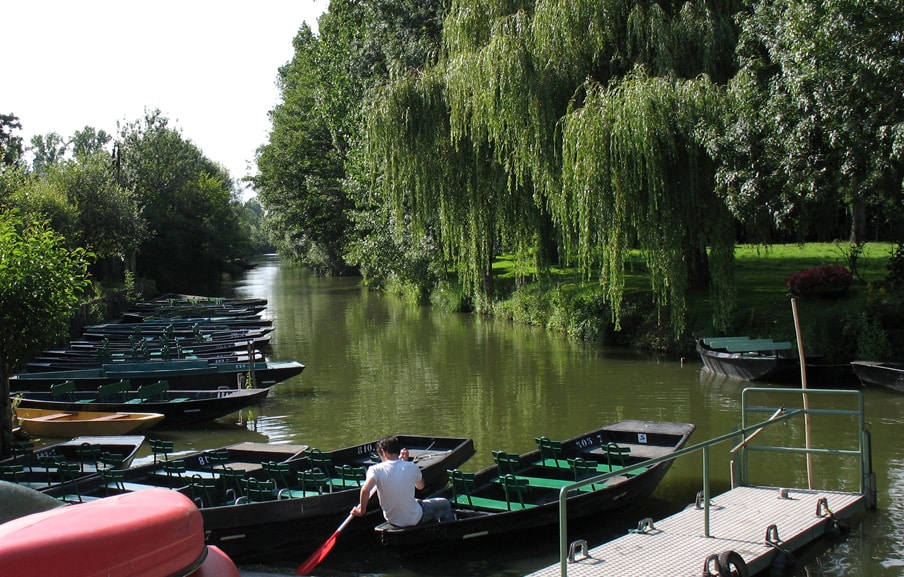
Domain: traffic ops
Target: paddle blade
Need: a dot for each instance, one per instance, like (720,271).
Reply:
(322,551)
(318,556)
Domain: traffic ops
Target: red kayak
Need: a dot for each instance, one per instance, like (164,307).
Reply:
(151,533)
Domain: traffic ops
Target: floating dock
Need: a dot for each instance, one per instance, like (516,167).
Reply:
(749,529)
(756,523)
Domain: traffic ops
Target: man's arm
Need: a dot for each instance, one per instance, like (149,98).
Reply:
(364,496)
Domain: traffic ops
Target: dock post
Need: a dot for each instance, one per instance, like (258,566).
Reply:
(869,476)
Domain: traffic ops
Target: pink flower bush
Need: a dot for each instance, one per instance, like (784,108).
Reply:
(820,280)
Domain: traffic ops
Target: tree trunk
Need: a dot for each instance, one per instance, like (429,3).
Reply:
(6,416)
(858,215)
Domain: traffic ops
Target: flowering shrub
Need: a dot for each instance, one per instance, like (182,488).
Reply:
(830,279)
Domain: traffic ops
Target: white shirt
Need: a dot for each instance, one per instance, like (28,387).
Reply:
(395,480)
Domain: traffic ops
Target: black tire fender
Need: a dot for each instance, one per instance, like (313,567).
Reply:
(731,564)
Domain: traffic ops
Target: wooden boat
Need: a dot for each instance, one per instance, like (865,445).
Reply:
(751,359)
(65,424)
(521,492)
(155,533)
(180,374)
(264,501)
(68,461)
(67,361)
(180,408)
(888,375)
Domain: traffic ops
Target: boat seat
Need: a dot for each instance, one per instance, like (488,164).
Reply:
(232,483)
(550,453)
(12,474)
(507,463)
(349,476)
(114,392)
(462,485)
(65,391)
(203,491)
(69,473)
(113,417)
(52,417)
(161,448)
(321,460)
(311,482)
(88,453)
(279,473)
(157,392)
(218,457)
(257,490)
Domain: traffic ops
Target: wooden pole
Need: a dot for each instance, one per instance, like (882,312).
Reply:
(803,385)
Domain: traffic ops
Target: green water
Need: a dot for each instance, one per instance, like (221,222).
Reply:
(376,365)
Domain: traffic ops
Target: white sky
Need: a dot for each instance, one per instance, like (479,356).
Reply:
(210,66)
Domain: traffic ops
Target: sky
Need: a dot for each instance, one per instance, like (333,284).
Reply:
(209,66)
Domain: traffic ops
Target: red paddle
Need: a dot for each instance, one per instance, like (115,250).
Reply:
(322,551)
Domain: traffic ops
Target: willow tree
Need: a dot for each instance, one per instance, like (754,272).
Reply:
(514,96)
(634,175)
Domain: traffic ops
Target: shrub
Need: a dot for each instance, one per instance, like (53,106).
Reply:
(826,280)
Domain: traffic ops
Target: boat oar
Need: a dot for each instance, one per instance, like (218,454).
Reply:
(322,551)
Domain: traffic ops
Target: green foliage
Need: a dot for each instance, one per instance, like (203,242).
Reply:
(41,282)
(11,147)
(187,201)
(814,120)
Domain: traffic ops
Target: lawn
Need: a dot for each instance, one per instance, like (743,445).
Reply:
(764,304)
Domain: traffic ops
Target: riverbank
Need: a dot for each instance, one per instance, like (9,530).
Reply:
(858,322)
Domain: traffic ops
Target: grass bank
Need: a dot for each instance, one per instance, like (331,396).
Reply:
(854,325)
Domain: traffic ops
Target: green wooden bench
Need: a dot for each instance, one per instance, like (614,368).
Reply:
(114,392)
(65,391)
(463,483)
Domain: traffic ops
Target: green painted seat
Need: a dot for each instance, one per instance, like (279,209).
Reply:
(314,481)
(65,391)
(257,490)
(12,473)
(161,449)
(348,476)
(114,392)
(279,473)
(550,453)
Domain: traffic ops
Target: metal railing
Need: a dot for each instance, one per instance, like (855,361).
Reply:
(747,432)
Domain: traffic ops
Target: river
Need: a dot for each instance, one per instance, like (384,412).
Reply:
(376,365)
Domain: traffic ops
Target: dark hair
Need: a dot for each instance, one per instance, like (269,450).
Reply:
(390,445)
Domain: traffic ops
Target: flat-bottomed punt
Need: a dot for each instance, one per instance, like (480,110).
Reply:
(751,359)
(521,492)
(180,374)
(873,373)
(66,424)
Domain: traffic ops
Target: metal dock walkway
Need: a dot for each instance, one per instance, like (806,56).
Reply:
(742,520)
(746,529)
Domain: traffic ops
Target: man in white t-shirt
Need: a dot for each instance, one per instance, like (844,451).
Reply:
(395,479)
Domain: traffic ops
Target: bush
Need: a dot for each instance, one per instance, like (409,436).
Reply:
(826,280)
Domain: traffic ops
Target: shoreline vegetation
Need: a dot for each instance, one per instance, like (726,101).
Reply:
(843,325)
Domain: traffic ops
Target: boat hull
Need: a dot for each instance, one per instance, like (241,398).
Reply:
(888,375)
(183,407)
(475,525)
(773,366)
(183,374)
(67,424)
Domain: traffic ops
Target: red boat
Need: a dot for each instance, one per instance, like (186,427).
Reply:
(152,533)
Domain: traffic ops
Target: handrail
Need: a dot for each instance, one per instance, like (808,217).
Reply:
(747,432)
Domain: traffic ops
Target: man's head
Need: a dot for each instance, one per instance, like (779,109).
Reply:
(389,445)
